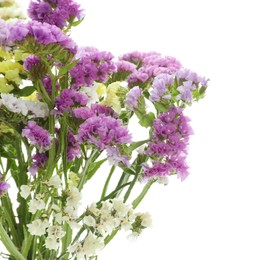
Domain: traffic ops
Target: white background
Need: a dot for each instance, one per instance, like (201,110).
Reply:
(217,213)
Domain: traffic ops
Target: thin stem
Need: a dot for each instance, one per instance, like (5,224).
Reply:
(107,181)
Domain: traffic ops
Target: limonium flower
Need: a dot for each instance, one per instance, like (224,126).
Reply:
(132,98)
(43,33)
(4,186)
(93,66)
(169,146)
(37,136)
(102,131)
(39,161)
(57,12)
(159,87)
(69,98)
(31,61)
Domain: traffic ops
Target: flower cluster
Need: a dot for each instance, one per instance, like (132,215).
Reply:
(168,147)
(37,136)
(102,220)
(25,107)
(57,12)
(149,65)
(92,66)
(65,112)
(10,10)
(42,33)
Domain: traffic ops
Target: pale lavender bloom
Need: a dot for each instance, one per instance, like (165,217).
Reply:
(37,136)
(188,75)
(132,97)
(159,87)
(4,32)
(125,66)
(115,157)
(186,91)
(4,186)
(18,31)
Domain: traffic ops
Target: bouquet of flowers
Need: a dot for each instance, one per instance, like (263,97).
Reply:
(65,113)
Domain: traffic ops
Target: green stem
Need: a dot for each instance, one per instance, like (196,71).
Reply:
(52,150)
(131,186)
(107,181)
(113,193)
(9,245)
(143,193)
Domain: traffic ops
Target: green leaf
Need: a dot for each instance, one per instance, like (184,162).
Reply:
(65,69)
(147,120)
(160,107)
(135,145)
(24,92)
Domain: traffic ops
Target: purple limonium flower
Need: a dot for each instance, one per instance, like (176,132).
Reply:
(73,148)
(54,12)
(159,87)
(125,66)
(186,91)
(43,33)
(170,137)
(39,161)
(69,98)
(18,31)
(132,98)
(103,131)
(4,186)
(4,32)
(95,110)
(158,169)
(37,136)
(188,75)
(93,66)
(30,62)
(115,157)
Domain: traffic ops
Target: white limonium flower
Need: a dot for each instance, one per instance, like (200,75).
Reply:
(74,197)
(35,205)
(38,227)
(24,191)
(20,105)
(90,93)
(52,243)
(146,219)
(121,208)
(55,181)
(89,221)
(133,236)
(92,245)
(163,180)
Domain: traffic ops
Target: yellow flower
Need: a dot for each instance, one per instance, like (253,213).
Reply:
(19,55)
(4,129)
(9,65)
(73,179)
(101,89)
(6,55)
(13,75)
(32,97)
(5,87)
(112,100)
